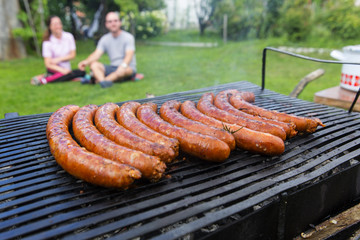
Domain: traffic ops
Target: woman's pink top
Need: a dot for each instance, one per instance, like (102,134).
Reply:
(59,47)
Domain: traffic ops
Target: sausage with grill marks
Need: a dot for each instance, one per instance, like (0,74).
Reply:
(222,101)
(206,106)
(107,125)
(246,139)
(302,124)
(126,116)
(81,163)
(169,111)
(248,96)
(199,145)
(87,134)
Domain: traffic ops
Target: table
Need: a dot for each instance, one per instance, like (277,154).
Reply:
(337,97)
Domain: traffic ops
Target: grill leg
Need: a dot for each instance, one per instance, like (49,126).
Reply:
(282,216)
(354,102)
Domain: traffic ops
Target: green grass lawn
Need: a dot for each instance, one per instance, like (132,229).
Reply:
(166,70)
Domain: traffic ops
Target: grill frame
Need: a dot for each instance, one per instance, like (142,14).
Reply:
(200,200)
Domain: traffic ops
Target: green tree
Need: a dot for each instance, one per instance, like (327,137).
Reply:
(271,17)
(296,19)
(38,11)
(342,18)
(245,18)
(137,6)
(132,8)
(150,5)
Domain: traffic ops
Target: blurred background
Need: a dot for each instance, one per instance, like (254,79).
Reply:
(23,21)
(180,45)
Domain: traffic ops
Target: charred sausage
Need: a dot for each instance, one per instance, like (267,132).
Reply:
(169,111)
(222,101)
(81,163)
(206,106)
(247,139)
(89,137)
(248,96)
(107,125)
(199,145)
(126,116)
(302,124)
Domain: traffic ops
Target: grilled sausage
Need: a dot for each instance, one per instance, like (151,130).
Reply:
(206,106)
(199,145)
(248,96)
(126,116)
(169,111)
(247,139)
(81,163)
(107,125)
(222,101)
(302,124)
(89,137)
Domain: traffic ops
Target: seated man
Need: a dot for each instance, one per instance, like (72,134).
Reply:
(120,47)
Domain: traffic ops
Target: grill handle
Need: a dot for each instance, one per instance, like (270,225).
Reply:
(306,58)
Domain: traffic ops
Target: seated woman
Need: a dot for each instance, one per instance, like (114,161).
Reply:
(58,48)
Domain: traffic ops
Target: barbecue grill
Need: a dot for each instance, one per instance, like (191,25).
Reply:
(248,196)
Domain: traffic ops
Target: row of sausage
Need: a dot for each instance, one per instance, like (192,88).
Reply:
(114,145)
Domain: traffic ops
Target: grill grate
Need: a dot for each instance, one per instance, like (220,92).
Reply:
(40,200)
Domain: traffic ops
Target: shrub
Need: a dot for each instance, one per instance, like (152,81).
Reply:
(343,19)
(24,32)
(249,19)
(296,19)
(147,24)
(244,18)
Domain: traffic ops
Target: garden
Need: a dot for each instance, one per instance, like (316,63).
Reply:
(169,69)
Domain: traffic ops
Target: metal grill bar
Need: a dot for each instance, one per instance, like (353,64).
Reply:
(40,200)
(209,217)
